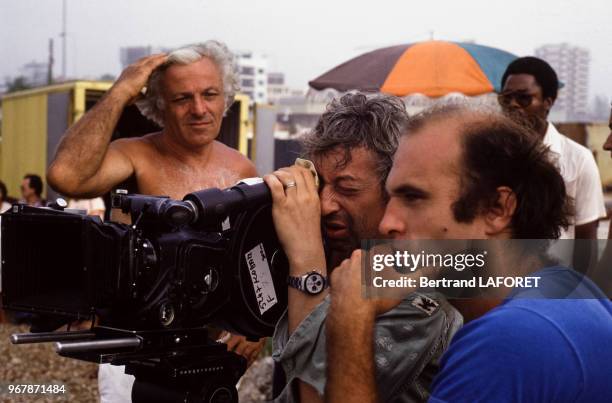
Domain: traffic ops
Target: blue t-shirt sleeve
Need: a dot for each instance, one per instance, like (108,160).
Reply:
(512,354)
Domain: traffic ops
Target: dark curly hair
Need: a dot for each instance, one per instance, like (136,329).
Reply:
(373,121)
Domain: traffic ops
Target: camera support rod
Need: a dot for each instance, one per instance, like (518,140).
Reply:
(72,347)
(27,338)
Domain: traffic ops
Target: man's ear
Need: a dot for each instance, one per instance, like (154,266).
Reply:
(499,217)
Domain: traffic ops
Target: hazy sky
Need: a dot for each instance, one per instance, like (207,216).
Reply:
(303,39)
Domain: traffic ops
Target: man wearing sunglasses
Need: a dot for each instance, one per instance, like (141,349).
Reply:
(530,87)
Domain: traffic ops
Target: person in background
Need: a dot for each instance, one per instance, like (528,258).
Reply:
(31,191)
(608,144)
(529,90)
(608,147)
(4,204)
(604,273)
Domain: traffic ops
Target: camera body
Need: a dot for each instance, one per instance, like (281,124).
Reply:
(212,258)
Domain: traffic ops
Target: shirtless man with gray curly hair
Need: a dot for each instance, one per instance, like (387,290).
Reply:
(188,92)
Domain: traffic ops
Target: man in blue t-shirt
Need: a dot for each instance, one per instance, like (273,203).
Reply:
(532,348)
(461,173)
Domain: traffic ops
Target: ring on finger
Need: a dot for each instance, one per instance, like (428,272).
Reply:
(290,184)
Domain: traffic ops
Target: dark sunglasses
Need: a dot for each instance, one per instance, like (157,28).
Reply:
(521,98)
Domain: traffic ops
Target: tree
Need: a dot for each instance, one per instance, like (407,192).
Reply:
(17,84)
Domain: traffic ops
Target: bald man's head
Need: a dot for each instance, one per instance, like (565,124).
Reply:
(474,152)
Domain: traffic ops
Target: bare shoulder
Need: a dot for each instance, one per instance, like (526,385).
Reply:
(136,145)
(234,160)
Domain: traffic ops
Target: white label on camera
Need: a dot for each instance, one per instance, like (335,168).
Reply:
(259,269)
(251,181)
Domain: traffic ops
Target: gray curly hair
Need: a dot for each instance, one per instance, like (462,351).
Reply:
(152,105)
(373,121)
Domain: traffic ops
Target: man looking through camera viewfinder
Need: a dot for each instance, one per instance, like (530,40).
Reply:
(352,147)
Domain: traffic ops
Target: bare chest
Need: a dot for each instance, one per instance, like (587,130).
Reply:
(175,179)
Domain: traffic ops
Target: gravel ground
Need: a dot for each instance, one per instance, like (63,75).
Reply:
(37,364)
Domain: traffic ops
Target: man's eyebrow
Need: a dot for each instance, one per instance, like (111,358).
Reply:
(182,94)
(512,91)
(344,178)
(190,93)
(407,189)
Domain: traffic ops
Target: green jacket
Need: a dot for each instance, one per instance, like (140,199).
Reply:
(408,343)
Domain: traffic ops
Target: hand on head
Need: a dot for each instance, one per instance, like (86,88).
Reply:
(135,76)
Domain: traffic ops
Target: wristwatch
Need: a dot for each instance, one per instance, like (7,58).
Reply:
(312,283)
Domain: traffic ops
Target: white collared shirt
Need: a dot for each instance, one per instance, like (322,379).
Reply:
(581,177)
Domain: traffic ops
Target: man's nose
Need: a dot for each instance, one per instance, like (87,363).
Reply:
(392,224)
(198,107)
(329,205)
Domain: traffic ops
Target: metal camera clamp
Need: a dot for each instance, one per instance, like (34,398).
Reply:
(169,365)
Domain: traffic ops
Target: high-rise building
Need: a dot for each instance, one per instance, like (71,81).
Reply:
(278,90)
(572,66)
(276,86)
(130,54)
(253,71)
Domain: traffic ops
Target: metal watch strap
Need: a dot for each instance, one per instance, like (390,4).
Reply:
(301,284)
(295,282)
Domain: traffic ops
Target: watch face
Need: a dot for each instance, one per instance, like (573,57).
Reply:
(314,283)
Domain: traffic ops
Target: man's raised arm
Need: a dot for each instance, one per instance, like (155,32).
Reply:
(84,164)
